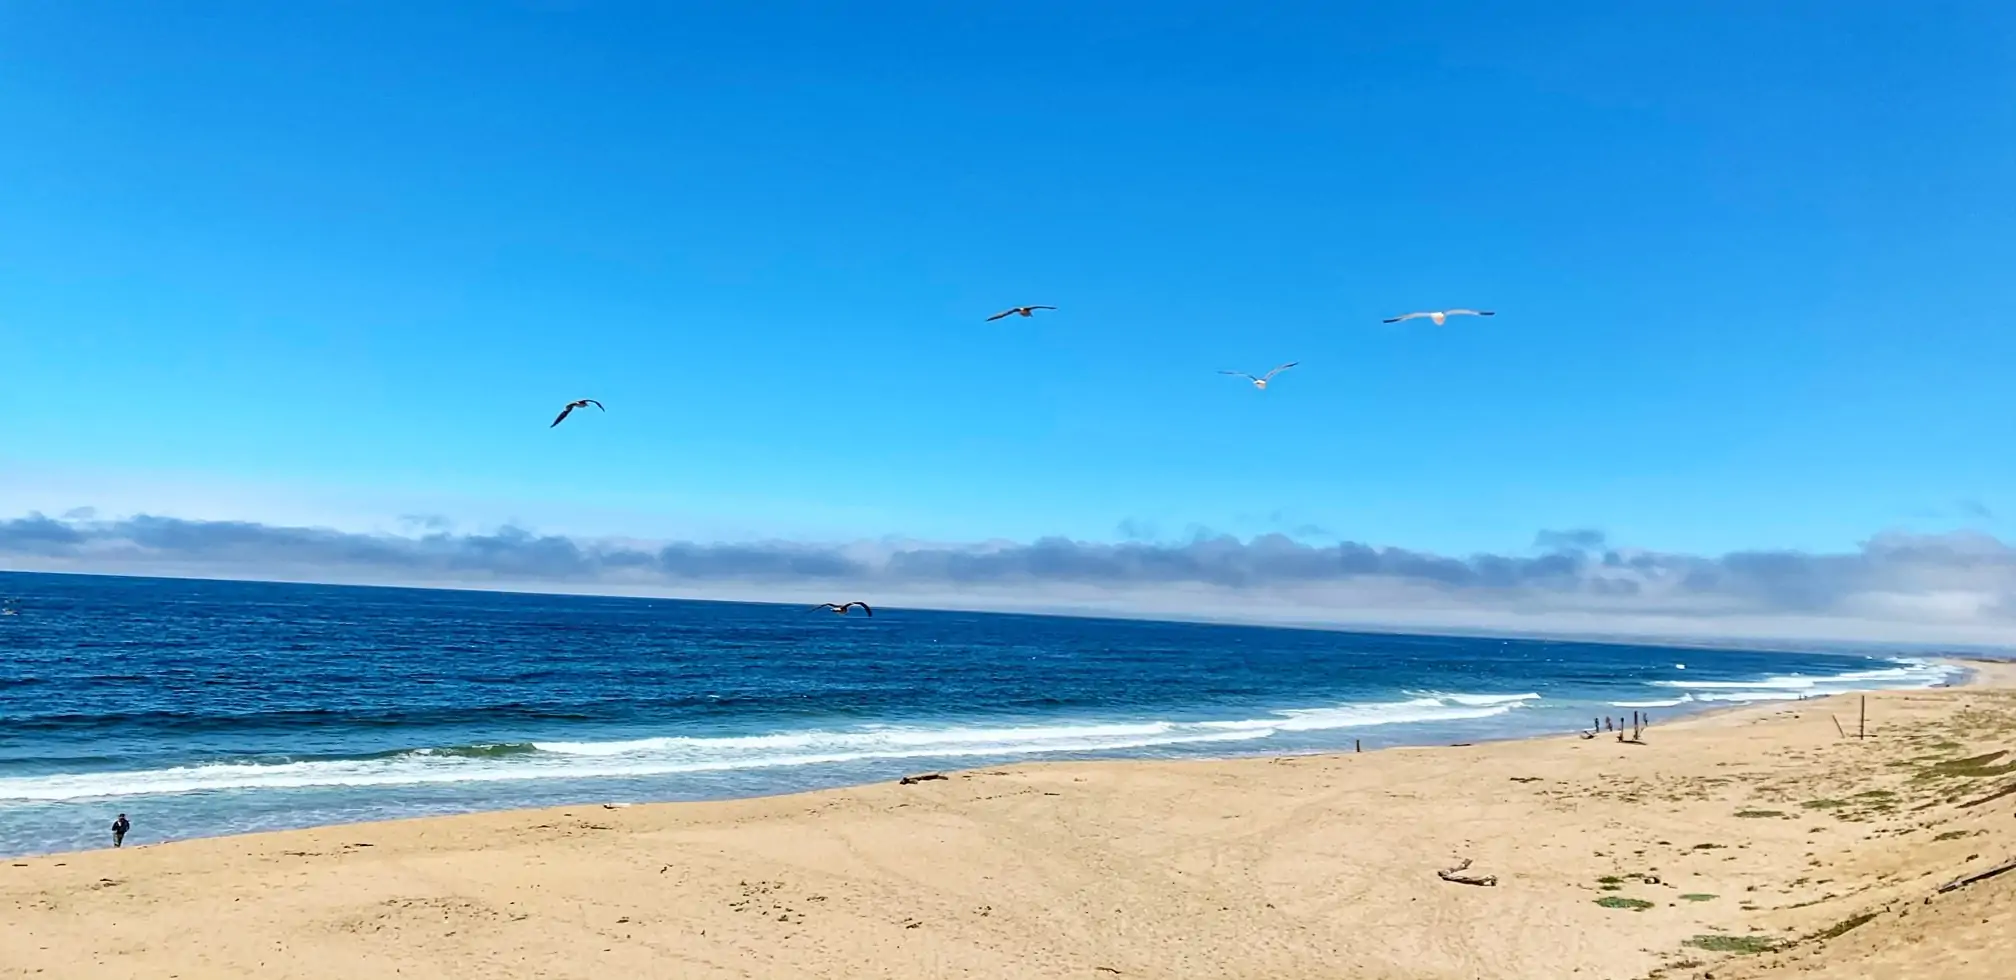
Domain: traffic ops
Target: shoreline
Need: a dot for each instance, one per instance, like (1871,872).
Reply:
(1758,825)
(1674,716)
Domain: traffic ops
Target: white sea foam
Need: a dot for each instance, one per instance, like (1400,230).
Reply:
(1675,702)
(1483,700)
(675,754)
(877,738)
(1903,674)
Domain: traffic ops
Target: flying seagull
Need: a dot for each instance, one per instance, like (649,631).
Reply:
(1022,310)
(842,607)
(1261,382)
(1439,315)
(571,406)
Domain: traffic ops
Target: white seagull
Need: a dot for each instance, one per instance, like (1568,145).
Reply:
(1261,381)
(1439,315)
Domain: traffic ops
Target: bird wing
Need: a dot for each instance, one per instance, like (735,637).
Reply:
(591,401)
(1001,314)
(1240,374)
(1042,307)
(1405,316)
(864,607)
(1465,313)
(1282,368)
(563,416)
(825,605)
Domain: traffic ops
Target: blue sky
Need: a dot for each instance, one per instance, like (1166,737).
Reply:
(334,263)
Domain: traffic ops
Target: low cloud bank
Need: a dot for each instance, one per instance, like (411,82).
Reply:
(1955,588)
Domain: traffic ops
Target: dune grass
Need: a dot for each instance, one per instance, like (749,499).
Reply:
(1620,902)
(1732,944)
(1843,926)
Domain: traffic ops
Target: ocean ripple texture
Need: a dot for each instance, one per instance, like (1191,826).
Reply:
(203,708)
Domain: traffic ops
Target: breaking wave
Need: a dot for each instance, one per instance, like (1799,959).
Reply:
(674,754)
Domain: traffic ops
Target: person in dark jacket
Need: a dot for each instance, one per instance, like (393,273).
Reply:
(119,829)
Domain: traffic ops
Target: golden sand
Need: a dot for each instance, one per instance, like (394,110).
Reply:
(1753,843)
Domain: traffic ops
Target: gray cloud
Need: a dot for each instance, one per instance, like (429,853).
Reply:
(1976,509)
(1959,585)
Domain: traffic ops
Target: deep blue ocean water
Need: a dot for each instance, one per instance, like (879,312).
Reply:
(205,708)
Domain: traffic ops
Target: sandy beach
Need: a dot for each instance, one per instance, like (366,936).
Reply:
(1755,842)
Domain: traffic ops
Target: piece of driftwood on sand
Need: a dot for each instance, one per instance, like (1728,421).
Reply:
(1965,880)
(1456,874)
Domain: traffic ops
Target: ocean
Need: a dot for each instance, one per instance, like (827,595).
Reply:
(202,708)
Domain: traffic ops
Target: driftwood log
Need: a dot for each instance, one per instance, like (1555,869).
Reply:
(1966,880)
(920,778)
(1456,874)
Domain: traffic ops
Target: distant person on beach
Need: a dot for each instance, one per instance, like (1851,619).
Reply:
(119,829)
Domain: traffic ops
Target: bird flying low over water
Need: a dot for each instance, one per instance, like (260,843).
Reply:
(1439,315)
(1019,310)
(842,607)
(1261,381)
(571,406)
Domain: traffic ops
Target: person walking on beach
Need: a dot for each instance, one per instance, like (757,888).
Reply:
(119,829)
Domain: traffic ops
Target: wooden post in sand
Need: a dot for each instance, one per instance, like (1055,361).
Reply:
(1357,745)
(1862,719)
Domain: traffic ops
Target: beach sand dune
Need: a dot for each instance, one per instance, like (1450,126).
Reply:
(1753,843)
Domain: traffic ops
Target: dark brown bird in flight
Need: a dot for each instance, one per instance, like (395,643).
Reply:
(571,406)
(1021,310)
(842,607)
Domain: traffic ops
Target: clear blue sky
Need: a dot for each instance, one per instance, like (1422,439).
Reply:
(1754,268)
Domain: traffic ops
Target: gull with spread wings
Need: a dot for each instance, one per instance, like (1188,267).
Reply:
(1019,310)
(1438,315)
(1261,381)
(842,607)
(571,406)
